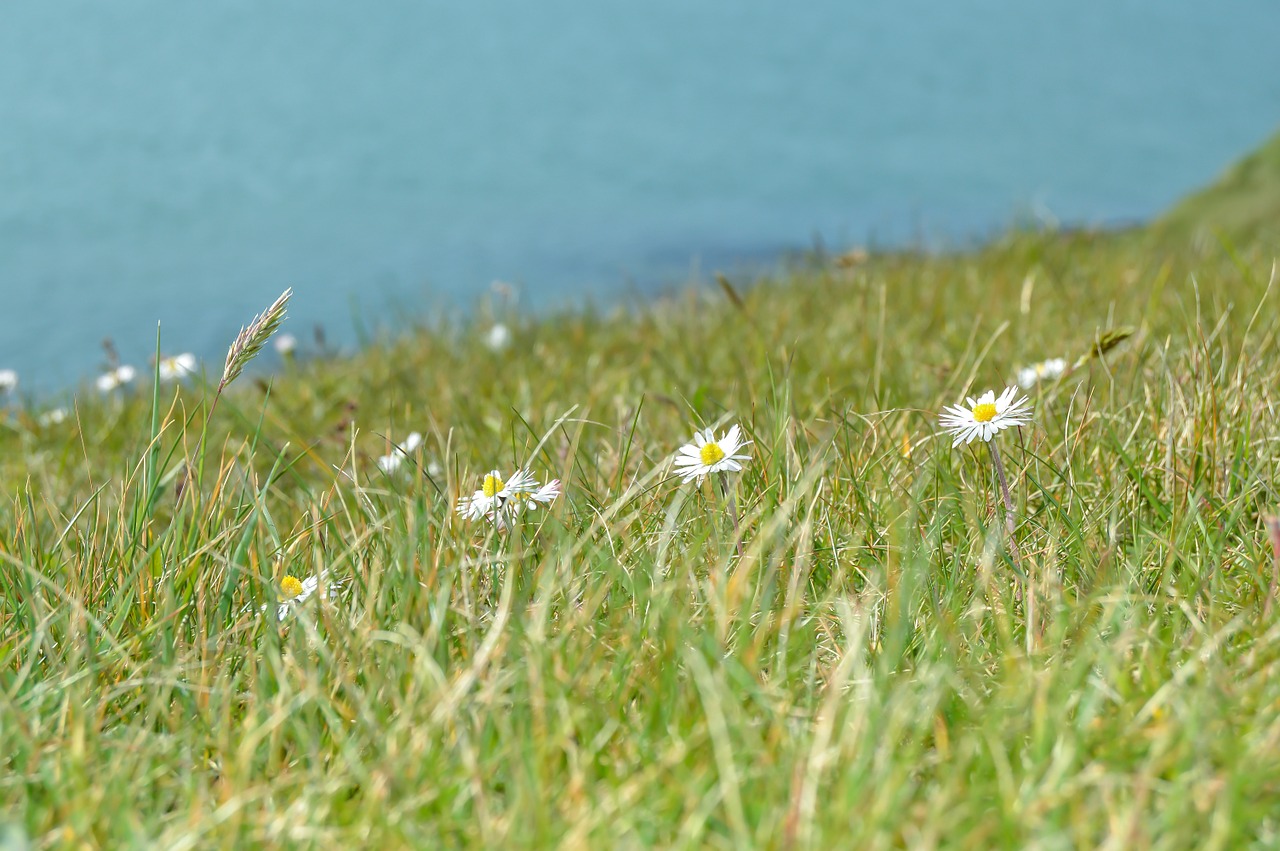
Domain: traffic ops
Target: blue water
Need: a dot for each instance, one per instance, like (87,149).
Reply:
(184,160)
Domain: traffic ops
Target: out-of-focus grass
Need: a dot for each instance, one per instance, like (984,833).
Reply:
(1243,203)
(613,674)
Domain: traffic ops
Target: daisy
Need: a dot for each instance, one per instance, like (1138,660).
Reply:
(495,495)
(8,381)
(498,338)
(707,455)
(986,416)
(294,592)
(1046,370)
(116,378)
(285,344)
(544,495)
(391,462)
(176,367)
(53,416)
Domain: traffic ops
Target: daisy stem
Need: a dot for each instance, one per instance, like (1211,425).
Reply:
(1010,522)
(733,512)
(1025,591)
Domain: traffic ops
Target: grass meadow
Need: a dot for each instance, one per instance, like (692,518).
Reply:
(838,650)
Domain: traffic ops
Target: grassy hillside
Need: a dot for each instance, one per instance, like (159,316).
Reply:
(841,649)
(1244,203)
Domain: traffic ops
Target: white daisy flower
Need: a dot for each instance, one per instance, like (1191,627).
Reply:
(1046,370)
(286,344)
(294,592)
(498,337)
(176,367)
(53,416)
(986,416)
(434,469)
(544,495)
(391,462)
(707,454)
(116,378)
(495,495)
(8,381)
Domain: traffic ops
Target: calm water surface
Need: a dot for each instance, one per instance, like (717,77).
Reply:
(183,161)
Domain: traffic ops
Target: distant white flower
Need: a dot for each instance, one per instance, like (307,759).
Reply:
(494,499)
(286,343)
(986,416)
(707,454)
(176,367)
(498,337)
(390,463)
(116,378)
(53,416)
(294,592)
(8,381)
(435,469)
(1046,370)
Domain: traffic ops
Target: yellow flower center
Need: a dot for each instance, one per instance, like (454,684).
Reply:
(290,587)
(984,413)
(493,486)
(711,454)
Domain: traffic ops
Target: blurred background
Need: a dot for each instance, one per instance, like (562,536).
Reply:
(183,161)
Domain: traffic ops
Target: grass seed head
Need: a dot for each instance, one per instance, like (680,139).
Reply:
(253,337)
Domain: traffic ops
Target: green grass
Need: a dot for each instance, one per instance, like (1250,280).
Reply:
(613,674)
(1243,203)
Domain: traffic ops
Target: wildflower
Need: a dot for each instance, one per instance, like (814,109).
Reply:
(53,416)
(294,592)
(8,381)
(494,499)
(291,587)
(435,469)
(286,344)
(986,416)
(176,367)
(116,378)
(544,495)
(1046,370)
(391,462)
(707,454)
(498,337)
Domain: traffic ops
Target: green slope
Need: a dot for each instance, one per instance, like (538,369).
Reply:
(1243,203)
